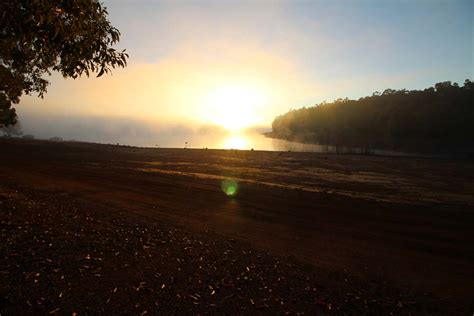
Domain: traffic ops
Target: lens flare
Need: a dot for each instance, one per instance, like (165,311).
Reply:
(229,187)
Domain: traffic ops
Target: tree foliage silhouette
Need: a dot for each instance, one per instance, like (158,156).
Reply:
(436,117)
(37,37)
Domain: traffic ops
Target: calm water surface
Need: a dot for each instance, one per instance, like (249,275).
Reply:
(258,141)
(248,141)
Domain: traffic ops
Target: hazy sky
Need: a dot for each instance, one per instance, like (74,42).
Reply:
(216,62)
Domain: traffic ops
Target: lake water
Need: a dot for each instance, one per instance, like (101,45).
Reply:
(258,141)
(248,141)
(127,131)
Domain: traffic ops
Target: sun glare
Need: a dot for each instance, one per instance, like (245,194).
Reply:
(234,107)
(234,142)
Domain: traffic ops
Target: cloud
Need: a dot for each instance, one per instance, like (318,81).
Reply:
(295,54)
(178,88)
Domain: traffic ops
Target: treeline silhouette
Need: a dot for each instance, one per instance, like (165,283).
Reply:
(439,118)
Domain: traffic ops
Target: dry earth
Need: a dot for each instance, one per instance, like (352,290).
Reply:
(99,228)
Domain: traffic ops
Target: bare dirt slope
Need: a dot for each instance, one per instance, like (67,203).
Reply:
(374,234)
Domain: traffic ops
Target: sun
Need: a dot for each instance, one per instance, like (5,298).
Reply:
(234,107)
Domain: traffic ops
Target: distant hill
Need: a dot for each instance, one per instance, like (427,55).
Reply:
(436,119)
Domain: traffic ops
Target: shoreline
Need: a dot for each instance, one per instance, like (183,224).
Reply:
(379,151)
(365,219)
(343,151)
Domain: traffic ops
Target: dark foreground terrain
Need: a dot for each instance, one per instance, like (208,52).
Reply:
(91,229)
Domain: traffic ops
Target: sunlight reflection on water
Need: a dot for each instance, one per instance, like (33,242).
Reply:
(247,140)
(240,141)
(235,142)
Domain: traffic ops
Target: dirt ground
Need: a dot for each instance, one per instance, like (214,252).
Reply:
(89,228)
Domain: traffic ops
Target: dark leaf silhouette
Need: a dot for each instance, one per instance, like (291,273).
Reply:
(38,37)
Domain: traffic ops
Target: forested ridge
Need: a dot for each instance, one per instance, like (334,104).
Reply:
(439,118)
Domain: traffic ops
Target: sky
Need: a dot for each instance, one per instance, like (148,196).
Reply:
(238,64)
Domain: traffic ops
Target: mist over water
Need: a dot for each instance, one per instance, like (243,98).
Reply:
(165,134)
(136,132)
